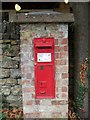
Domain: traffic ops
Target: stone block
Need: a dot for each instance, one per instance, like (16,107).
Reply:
(16,90)
(14,99)
(14,42)
(15,50)
(1,41)
(5,73)
(17,104)
(0,35)
(8,63)
(1,58)
(11,81)
(16,58)
(6,48)
(11,50)
(2,81)
(5,36)
(5,90)
(15,73)
(0,49)
(19,81)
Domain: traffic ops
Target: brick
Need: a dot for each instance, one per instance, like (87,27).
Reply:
(65,82)
(57,82)
(61,62)
(56,89)
(57,77)
(65,48)
(33,95)
(46,114)
(64,41)
(37,102)
(64,75)
(22,68)
(56,115)
(25,82)
(64,89)
(57,48)
(56,55)
(57,95)
(56,42)
(63,102)
(63,54)
(60,102)
(27,115)
(29,102)
(26,70)
(51,35)
(28,89)
(34,115)
(64,95)
(29,76)
(26,96)
(32,33)
(55,102)
(61,69)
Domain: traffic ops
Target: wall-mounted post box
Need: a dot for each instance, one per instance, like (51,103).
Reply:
(44,67)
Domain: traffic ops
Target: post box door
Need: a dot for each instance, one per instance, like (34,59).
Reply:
(44,68)
(44,81)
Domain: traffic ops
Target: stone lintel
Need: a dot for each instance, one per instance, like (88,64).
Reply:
(44,16)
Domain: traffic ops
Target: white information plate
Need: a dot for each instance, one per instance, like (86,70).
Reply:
(43,57)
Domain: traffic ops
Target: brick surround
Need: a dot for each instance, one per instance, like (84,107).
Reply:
(44,108)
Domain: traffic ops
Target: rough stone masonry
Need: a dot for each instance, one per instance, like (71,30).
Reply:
(10,75)
(44,108)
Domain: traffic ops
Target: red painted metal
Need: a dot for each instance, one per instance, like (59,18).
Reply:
(44,67)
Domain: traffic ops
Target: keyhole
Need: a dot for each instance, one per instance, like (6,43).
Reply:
(41,83)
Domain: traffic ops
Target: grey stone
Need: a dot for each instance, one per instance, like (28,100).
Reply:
(20,81)
(5,73)
(14,42)
(8,63)
(16,104)
(6,49)
(16,90)
(11,81)
(5,90)
(0,49)
(15,73)
(16,58)
(5,36)
(2,81)
(48,16)
(14,99)
(15,50)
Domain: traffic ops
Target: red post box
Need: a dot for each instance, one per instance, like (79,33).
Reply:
(44,67)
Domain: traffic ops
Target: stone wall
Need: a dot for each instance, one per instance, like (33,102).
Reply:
(10,78)
(45,108)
